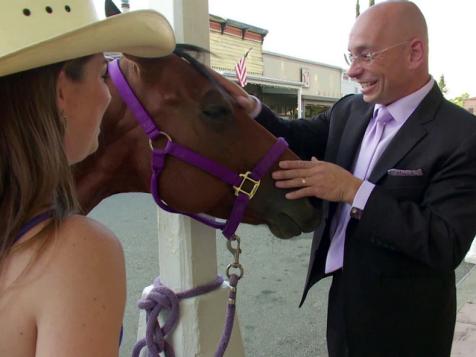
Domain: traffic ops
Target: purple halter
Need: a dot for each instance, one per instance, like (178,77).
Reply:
(245,185)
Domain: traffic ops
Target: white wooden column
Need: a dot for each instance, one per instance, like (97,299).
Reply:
(471,256)
(299,103)
(187,249)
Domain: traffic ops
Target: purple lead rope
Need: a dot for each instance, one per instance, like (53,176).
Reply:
(161,298)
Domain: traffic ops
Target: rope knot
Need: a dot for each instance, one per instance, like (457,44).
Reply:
(160,299)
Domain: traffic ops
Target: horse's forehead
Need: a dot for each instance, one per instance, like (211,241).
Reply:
(171,64)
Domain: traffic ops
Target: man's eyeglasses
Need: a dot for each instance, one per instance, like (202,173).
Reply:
(369,56)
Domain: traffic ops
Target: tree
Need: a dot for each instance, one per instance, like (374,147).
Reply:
(357,9)
(460,99)
(442,84)
(371,3)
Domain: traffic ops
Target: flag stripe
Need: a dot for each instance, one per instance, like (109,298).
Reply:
(241,72)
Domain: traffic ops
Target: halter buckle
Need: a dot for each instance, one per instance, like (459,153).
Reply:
(248,181)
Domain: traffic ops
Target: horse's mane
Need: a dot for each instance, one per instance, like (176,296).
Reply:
(183,51)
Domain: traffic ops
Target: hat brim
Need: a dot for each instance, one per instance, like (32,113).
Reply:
(143,33)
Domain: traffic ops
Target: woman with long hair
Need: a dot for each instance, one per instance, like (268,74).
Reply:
(62,277)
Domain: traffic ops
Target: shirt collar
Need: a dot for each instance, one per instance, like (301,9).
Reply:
(404,107)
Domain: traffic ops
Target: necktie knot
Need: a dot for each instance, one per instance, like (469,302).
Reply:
(383,116)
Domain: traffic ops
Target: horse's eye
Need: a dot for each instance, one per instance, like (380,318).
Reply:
(217,112)
(215,107)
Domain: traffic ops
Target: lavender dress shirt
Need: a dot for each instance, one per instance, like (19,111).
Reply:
(400,111)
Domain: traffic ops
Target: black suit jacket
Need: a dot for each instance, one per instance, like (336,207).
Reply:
(399,258)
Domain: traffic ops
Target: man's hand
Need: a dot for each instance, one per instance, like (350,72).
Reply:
(243,99)
(317,179)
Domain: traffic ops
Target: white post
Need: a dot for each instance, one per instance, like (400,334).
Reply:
(471,256)
(125,6)
(299,102)
(187,249)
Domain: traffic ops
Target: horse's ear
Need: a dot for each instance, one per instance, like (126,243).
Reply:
(111,8)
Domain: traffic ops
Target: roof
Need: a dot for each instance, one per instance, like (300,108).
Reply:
(237,24)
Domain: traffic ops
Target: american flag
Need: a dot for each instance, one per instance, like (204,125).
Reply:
(240,70)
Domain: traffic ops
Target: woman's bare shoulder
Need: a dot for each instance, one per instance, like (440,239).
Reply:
(84,246)
(84,289)
(78,233)
(82,226)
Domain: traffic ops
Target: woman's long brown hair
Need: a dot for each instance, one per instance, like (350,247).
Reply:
(34,171)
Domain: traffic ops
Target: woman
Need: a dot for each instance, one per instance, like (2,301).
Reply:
(62,278)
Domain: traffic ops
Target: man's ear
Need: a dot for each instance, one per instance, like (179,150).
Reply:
(417,53)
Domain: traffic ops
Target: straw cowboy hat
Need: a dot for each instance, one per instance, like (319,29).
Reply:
(34,33)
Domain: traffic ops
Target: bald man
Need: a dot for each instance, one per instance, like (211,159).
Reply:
(395,167)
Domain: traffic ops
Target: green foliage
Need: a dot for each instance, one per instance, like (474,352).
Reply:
(460,99)
(371,3)
(442,84)
(357,9)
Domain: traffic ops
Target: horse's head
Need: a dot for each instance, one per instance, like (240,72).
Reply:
(193,109)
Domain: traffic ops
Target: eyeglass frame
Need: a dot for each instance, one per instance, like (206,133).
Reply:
(370,56)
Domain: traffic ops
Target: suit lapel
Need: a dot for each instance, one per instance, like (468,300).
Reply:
(408,136)
(353,133)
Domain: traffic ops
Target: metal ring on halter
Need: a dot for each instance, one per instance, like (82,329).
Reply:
(161,133)
(234,266)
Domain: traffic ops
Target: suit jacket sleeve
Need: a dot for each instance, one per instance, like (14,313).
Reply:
(306,137)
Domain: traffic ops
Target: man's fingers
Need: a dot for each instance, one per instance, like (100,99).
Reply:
(246,103)
(291,174)
(296,164)
(239,94)
(293,183)
(295,169)
(303,192)
(230,86)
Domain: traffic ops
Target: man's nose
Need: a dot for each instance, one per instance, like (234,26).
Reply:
(355,69)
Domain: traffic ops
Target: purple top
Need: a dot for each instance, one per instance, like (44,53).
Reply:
(33,222)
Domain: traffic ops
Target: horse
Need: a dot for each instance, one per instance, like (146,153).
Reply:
(187,102)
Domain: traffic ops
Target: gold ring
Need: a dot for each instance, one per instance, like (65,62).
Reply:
(303,180)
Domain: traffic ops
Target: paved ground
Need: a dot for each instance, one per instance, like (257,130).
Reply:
(268,296)
(464,342)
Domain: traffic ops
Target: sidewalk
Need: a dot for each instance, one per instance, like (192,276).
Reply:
(464,342)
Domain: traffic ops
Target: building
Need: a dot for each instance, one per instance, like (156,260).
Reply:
(348,85)
(292,87)
(470,105)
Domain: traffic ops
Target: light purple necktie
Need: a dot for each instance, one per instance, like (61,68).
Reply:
(368,155)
